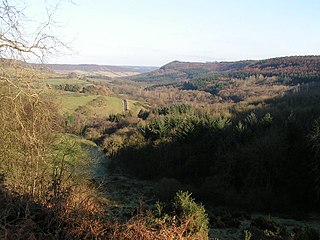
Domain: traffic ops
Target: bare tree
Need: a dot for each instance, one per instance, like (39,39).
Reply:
(22,38)
(26,129)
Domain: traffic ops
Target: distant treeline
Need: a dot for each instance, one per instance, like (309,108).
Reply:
(89,89)
(233,81)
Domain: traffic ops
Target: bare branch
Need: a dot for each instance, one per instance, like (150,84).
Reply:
(17,41)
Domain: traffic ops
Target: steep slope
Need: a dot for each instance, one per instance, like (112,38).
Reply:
(177,71)
(233,81)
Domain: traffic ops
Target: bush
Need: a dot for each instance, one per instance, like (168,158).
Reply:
(143,114)
(185,220)
(195,214)
(91,133)
(112,144)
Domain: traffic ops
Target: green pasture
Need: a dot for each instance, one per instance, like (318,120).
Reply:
(71,101)
(58,81)
(89,105)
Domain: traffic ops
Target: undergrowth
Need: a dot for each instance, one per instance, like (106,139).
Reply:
(81,215)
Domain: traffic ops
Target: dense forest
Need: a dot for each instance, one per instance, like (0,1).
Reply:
(264,150)
(259,153)
(229,82)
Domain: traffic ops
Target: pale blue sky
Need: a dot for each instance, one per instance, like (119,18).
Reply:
(154,32)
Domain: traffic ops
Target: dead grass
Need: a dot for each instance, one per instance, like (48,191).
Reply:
(81,215)
(78,216)
(144,227)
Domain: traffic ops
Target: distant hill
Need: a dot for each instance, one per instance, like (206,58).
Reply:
(94,69)
(235,81)
(280,64)
(210,66)
(293,64)
(177,71)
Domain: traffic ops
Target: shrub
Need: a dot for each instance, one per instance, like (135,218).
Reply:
(189,211)
(143,114)
(113,144)
(186,220)
(91,133)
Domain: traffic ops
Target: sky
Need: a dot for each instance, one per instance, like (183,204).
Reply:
(155,32)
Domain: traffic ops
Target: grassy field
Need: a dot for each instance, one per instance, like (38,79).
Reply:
(76,152)
(135,106)
(104,106)
(58,81)
(104,73)
(63,80)
(100,80)
(69,102)
(88,104)
(91,105)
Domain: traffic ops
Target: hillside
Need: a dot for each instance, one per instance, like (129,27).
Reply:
(293,64)
(104,70)
(223,149)
(210,66)
(283,64)
(232,81)
(217,130)
(181,71)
